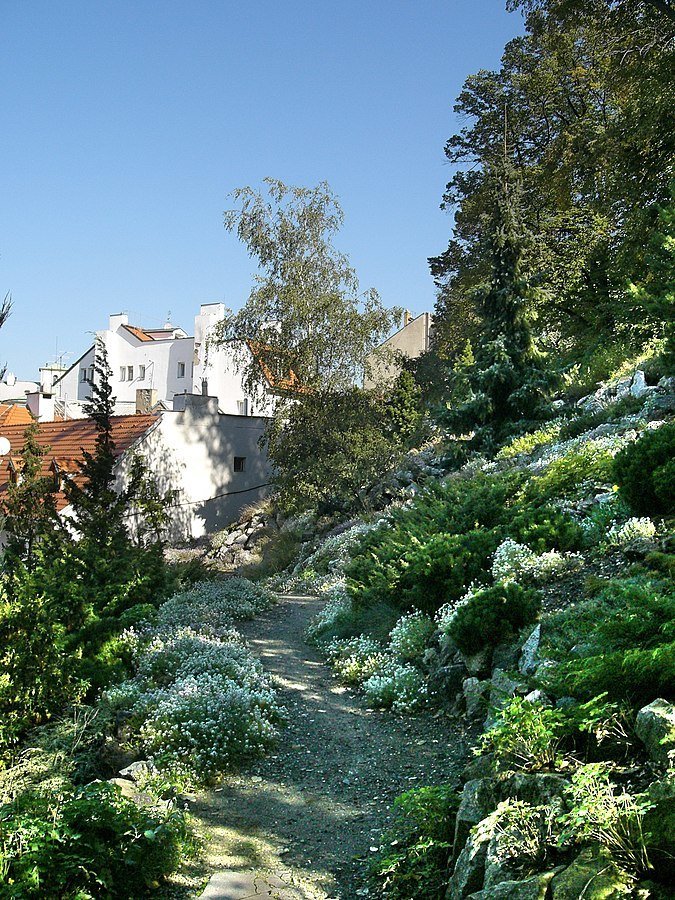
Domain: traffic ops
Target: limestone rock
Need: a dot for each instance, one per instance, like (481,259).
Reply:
(594,876)
(533,888)
(658,827)
(479,798)
(136,770)
(655,726)
(529,655)
(475,695)
(538,697)
(468,874)
(503,688)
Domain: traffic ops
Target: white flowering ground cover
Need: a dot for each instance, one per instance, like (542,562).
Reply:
(199,702)
(388,674)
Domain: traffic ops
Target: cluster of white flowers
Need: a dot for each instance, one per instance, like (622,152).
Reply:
(339,606)
(513,561)
(332,555)
(215,603)
(208,722)
(410,635)
(200,701)
(398,686)
(634,529)
(355,659)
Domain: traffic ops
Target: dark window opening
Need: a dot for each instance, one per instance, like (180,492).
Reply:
(240,464)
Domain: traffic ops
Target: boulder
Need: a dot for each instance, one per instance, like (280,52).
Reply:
(533,888)
(475,695)
(137,770)
(505,656)
(479,798)
(529,655)
(655,726)
(639,386)
(538,697)
(479,663)
(503,688)
(658,827)
(469,871)
(594,876)
(446,682)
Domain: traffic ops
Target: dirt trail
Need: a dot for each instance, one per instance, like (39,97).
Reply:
(306,816)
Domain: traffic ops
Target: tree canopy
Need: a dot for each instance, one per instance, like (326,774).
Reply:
(306,311)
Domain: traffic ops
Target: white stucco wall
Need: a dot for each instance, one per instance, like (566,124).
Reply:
(192,452)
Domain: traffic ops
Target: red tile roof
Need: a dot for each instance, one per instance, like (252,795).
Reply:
(139,333)
(11,414)
(66,441)
(288,382)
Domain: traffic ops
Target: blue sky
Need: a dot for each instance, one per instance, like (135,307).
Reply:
(127,122)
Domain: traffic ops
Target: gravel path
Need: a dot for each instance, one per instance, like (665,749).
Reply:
(301,823)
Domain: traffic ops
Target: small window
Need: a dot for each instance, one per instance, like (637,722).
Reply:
(130,373)
(181,370)
(242,407)
(141,373)
(240,464)
(123,373)
(83,375)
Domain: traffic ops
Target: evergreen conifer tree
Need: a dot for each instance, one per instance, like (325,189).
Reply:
(656,290)
(507,380)
(30,510)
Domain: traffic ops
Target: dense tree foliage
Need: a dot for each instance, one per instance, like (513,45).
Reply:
(306,312)
(329,449)
(583,100)
(507,380)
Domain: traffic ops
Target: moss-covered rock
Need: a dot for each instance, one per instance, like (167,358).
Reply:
(659,829)
(533,888)
(655,726)
(594,876)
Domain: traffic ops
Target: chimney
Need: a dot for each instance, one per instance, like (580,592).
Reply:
(407,317)
(195,403)
(117,320)
(41,406)
(10,379)
(146,399)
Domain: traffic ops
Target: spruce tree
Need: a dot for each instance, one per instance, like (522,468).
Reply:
(30,509)
(507,381)
(655,290)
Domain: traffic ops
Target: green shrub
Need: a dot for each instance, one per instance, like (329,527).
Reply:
(440,570)
(637,676)
(525,736)
(413,863)
(95,844)
(426,554)
(544,528)
(564,477)
(645,471)
(492,616)
(624,614)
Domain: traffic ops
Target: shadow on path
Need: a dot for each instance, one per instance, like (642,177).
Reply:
(301,822)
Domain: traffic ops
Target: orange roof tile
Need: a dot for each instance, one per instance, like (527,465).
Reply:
(11,414)
(289,382)
(65,442)
(139,333)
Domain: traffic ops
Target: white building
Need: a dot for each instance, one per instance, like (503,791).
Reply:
(151,366)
